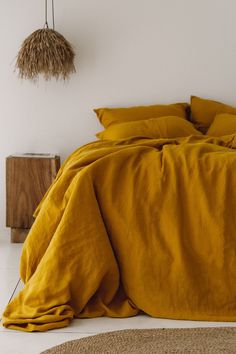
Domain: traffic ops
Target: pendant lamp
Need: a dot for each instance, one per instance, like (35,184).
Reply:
(46,52)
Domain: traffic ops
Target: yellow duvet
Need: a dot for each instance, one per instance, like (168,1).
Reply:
(129,226)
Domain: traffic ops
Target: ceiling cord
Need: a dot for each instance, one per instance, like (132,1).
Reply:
(53,16)
(46,15)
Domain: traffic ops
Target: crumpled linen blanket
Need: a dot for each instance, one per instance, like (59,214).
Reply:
(129,226)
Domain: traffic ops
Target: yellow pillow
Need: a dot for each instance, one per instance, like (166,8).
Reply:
(164,127)
(223,124)
(203,111)
(108,116)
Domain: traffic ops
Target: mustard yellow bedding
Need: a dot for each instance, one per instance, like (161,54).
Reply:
(131,226)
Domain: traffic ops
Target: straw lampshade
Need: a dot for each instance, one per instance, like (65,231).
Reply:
(46,52)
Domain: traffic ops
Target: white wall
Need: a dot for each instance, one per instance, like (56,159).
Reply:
(128,52)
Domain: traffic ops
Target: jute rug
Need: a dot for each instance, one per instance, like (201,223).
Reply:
(150,341)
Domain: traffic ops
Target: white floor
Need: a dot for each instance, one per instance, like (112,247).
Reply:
(14,342)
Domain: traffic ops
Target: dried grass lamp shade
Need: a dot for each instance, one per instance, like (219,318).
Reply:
(46,52)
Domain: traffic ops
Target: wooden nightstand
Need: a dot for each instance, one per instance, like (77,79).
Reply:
(28,176)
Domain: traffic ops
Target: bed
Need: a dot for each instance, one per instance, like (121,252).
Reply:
(133,225)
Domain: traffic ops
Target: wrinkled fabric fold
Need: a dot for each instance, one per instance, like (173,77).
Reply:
(133,225)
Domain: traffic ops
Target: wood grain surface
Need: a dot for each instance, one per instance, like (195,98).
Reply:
(19,235)
(27,180)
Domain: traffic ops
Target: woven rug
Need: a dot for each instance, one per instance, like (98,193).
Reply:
(149,341)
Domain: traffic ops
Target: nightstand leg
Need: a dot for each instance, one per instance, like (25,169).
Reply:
(18,235)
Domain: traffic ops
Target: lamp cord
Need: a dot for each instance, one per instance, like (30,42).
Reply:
(53,17)
(46,15)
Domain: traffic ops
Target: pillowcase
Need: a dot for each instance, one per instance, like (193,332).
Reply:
(108,116)
(203,111)
(164,127)
(223,124)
